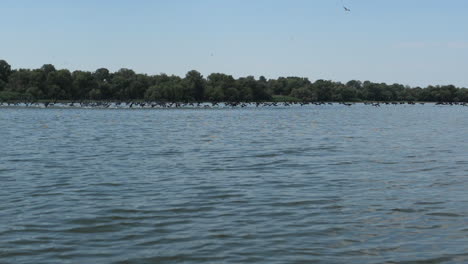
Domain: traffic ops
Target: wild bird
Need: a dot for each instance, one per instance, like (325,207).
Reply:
(344,7)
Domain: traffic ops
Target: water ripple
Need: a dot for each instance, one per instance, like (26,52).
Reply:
(292,185)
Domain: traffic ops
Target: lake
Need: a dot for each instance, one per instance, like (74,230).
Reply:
(311,184)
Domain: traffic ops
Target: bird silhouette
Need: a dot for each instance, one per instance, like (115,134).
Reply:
(344,7)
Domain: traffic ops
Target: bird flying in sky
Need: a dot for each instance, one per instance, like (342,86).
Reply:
(344,7)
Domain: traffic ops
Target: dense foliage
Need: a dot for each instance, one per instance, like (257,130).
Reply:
(48,83)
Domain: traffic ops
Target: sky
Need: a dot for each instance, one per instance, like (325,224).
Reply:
(413,42)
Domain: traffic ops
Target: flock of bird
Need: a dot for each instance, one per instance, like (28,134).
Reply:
(156,105)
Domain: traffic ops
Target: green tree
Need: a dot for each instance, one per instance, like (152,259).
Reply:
(168,88)
(2,85)
(304,94)
(253,90)
(138,85)
(83,84)
(48,68)
(19,81)
(62,84)
(34,93)
(196,84)
(345,93)
(5,71)
(102,75)
(120,84)
(217,86)
(232,95)
(55,92)
(49,83)
(323,89)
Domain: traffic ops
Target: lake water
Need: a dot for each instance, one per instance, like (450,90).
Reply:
(312,184)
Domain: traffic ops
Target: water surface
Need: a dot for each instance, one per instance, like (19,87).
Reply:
(312,184)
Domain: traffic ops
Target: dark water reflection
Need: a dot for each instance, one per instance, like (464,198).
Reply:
(316,184)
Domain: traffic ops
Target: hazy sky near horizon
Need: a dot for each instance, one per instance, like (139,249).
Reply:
(414,42)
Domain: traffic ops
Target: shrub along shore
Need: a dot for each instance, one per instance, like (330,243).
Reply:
(48,84)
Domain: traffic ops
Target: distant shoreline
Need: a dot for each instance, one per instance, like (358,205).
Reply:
(201,105)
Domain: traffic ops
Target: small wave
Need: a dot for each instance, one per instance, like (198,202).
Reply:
(303,203)
(428,203)
(224,196)
(272,155)
(406,210)
(94,229)
(445,214)
(425,227)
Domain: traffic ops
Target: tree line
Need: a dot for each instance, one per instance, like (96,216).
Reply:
(49,83)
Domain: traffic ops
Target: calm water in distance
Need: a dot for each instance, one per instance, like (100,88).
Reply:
(312,184)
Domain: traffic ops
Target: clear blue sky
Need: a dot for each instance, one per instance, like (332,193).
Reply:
(414,42)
